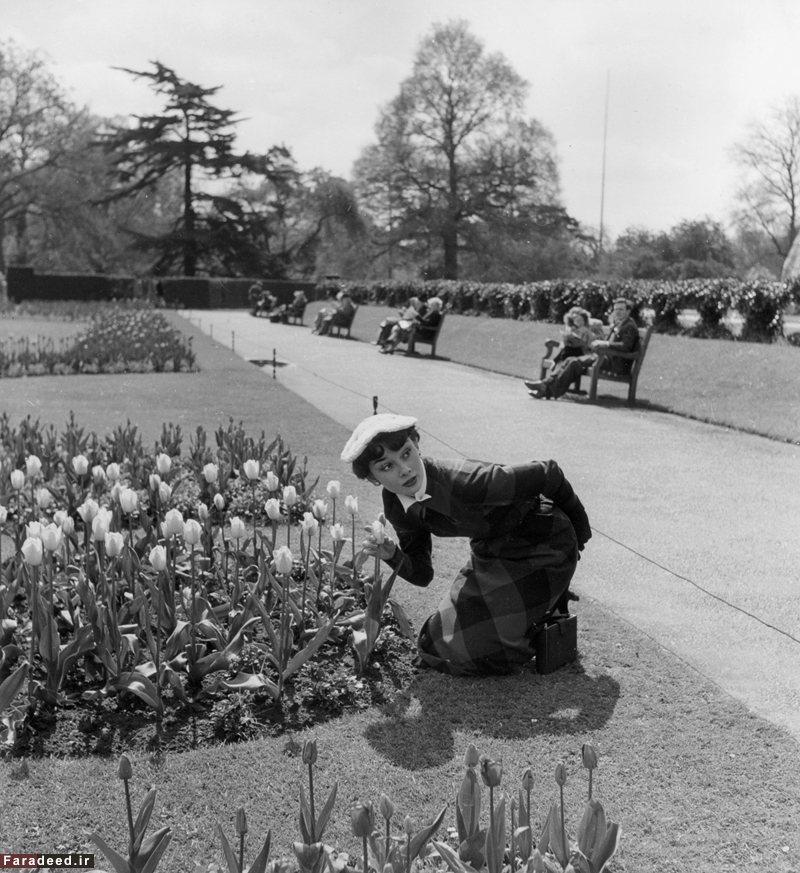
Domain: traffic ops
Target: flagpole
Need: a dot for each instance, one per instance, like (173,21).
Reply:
(603,176)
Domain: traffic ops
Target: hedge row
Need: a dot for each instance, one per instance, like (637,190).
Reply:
(760,303)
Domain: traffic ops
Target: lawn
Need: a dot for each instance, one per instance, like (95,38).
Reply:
(752,387)
(698,783)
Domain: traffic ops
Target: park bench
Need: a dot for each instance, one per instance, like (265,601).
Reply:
(595,372)
(295,313)
(339,326)
(426,335)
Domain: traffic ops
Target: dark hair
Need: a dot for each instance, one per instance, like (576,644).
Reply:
(628,303)
(377,446)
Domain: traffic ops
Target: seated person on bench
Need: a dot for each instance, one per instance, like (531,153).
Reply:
(405,328)
(623,337)
(341,313)
(415,307)
(525,525)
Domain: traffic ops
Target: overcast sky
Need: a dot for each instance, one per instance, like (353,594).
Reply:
(685,77)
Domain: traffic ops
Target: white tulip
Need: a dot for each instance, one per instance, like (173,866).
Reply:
(211,473)
(32,552)
(163,463)
(80,464)
(251,469)
(33,465)
(115,543)
(192,532)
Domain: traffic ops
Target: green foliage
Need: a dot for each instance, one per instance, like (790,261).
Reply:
(761,303)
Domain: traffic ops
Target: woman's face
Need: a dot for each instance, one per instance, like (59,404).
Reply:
(578,320)
(400,472)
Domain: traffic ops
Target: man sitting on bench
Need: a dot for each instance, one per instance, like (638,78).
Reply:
(623,337)
(404,330)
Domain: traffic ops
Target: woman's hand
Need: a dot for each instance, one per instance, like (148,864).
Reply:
(383,550)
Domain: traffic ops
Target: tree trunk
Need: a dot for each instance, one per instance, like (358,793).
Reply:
(189,250)
(450,244)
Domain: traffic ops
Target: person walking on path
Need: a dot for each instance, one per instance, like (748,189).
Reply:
(623,337)
(526,528)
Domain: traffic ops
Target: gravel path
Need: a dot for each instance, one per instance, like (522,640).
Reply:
(696,527)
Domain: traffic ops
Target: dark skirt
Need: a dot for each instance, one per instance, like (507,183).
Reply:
(489,619)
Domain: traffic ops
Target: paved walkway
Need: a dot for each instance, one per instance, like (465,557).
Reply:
(675,504)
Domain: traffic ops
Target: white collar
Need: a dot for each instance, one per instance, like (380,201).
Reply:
(407,501)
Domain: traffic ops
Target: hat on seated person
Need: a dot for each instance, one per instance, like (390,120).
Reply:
(369,428)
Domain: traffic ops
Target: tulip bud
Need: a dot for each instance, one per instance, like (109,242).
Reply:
(310,857)
(273,482)
(386,807)
(17,480)
(59,515)
(33,466)
(32,551)
(43,498)
(471,756)
(273,508)
(88,510)
(202,512)
(219,502)
(51,537)
(241,821)
(34,529)
(173,523)
(561,774)
(491,772)
(310,752)
(290,495)
(163,463)
(527,779)
(378,531)
(238,529)
(154,481)
(124,769)
(588,756)
(283,560)
(68,526)
(116,490)
(158,558)
(362,818)
(251,469)
(192,532)
(100,526)
(351,504)
(334,489)
(320,509)
(113,472)
(164,492)
(128,500)
(309,524)
(114,544)
(211,473)
(3,514)
(80,464)
(98,474)
(337,533)
(409,826)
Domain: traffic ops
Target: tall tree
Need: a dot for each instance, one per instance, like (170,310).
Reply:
(454,151)
(36,125)
(195,138)
(769,157)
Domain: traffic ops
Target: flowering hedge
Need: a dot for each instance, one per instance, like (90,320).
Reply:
(117,340)
(760,303)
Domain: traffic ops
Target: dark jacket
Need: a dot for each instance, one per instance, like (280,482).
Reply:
(624,337)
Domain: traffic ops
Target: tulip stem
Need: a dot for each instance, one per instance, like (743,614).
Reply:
(131,833)
(311,796)
(319,564)
(364,843)
(528,810)
(491,807)
(305,582)
(241,844)
(590,783)
(193,615)
(563,825)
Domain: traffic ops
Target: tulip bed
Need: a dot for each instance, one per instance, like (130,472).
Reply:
(118,339)
(145,589)
(506,845)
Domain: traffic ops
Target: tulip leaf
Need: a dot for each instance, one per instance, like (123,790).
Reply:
(230,857)
(306,821)
(451,859)
(322,820)
(402,620)
(422,836)
(310,650)
(260,863)
(11,686)
(148,858)
(606,848)
(120,864)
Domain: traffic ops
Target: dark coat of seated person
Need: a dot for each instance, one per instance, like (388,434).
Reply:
(623,337)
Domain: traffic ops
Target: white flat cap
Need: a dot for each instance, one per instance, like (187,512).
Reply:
(369,428)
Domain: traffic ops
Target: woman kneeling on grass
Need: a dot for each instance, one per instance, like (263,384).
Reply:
(525,524)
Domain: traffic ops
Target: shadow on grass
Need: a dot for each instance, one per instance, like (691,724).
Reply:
(419,728)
